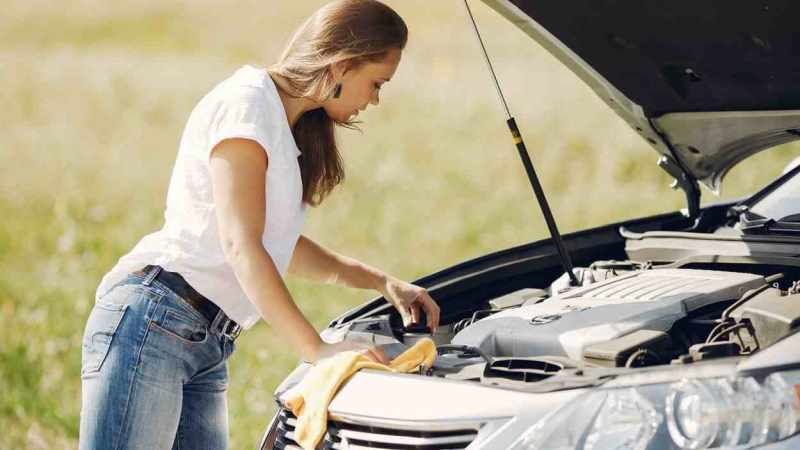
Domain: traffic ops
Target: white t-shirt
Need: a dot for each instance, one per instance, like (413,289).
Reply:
(245,105)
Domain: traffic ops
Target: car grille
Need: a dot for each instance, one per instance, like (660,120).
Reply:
(362,437)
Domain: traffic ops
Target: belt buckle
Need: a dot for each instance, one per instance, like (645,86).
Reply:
(231,325)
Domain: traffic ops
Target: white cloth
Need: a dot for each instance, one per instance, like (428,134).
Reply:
(245,105)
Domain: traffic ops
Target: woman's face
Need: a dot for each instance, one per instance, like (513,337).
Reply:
(361,86)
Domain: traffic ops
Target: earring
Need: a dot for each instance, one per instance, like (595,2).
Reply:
(337,90)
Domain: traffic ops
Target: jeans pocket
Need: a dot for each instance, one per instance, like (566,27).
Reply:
(100,329)
(181,328)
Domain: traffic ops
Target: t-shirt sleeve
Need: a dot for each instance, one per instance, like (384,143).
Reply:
(240,116)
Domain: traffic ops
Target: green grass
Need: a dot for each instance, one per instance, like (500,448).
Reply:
(92,115)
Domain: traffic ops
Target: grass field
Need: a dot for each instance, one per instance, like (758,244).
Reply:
(95,98)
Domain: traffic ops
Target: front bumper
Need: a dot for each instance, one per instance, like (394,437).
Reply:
(385,410)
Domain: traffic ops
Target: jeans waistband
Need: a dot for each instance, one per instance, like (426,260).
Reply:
(208,309)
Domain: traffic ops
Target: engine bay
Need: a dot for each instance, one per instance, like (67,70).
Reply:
(624,315)
(574,322)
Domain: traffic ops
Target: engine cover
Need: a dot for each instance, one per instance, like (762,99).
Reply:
(567,323)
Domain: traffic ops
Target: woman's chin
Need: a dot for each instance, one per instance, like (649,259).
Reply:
(352,115)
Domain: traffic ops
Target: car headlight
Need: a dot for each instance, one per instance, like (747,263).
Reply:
(713,413)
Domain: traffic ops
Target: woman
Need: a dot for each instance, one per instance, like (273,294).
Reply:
(256,151)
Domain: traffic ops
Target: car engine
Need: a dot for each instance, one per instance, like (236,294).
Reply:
(624,314)
(576,323)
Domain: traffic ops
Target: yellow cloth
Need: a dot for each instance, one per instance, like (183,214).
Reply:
(309,399)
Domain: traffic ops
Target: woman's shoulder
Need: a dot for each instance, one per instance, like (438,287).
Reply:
(246,104)
(247,80)
(251,88)
(247,96)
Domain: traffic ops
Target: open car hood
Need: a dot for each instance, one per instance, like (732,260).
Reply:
(706,84)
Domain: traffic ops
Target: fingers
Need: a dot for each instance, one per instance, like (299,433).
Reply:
(358,344)
(370,350)
(414,312)
(376,354)
(431,310)
(406,315)
(411,314)
(410,310)
(382,358)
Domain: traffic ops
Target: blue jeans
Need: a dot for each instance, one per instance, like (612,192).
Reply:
(153,373)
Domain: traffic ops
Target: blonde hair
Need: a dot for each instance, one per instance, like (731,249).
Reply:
(345,31)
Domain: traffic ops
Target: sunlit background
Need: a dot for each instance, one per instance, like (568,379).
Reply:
(95,96)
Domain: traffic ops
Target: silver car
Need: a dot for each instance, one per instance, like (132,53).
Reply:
(676,331)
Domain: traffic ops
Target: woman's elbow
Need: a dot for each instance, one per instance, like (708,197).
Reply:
(241,251)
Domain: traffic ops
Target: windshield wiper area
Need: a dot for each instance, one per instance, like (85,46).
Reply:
(755,224)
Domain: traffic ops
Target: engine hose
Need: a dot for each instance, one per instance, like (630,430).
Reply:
(464,349)
(464,323)
(641,353)
(747,297)
(461,324)
(714,331)
(728,331)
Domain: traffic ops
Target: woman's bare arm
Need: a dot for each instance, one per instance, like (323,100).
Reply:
(238,173)
(314,262)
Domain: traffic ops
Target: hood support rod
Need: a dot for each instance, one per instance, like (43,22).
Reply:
(566,263)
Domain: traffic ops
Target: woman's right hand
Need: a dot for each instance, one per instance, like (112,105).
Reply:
(357,344)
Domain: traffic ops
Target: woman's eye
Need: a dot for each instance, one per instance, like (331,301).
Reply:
(377,86)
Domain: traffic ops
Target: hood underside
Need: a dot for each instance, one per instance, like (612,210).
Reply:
(688,77)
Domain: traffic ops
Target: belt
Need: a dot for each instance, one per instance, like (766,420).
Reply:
(174,281)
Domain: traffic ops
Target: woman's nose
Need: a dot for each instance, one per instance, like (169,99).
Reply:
(375,100)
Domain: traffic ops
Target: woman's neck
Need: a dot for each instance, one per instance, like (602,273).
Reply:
(294,106)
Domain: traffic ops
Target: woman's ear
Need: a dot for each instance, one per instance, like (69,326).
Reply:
(337,71)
